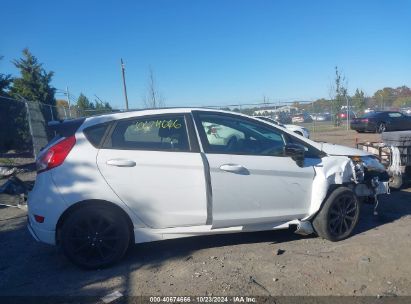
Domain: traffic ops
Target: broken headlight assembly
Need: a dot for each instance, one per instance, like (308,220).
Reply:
(368,167)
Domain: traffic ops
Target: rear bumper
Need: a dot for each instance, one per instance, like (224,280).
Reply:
(44,200)
(41,235)
(362,127)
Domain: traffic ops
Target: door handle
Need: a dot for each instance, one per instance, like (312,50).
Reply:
(234,168)
(121,162)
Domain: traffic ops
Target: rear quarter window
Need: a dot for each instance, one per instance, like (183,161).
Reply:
(96,133)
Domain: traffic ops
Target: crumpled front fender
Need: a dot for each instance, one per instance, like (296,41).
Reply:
(338,170)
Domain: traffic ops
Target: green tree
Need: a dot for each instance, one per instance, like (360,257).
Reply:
(340,89)
(358,100)
(34,82)
(385,97)
(99,105)
(403,101)
(107,106)
(5,81)
(390,97)
(83,103)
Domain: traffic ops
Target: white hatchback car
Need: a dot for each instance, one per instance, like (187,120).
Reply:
(109,181)
(295,128)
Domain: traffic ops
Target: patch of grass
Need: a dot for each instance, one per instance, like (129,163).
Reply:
(319,127)
(6,161)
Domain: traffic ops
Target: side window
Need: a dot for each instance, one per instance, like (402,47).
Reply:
(230,135)
(395,115)
(163,133)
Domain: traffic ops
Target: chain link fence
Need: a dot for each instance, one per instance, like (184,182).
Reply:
(23,123)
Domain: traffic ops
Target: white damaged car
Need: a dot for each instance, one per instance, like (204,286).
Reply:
(113,180)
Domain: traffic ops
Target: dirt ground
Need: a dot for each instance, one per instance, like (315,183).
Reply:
(373,262)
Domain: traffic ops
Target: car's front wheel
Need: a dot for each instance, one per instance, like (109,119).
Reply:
(95,237)
(338,216)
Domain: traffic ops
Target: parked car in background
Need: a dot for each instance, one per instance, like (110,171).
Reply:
(343,115)
(321,116)
(282,117)
(381,121)
(109,181)
(300,118)
(294,128)
(406,111)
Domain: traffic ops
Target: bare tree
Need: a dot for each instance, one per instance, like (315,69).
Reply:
(338,91)
(153,98)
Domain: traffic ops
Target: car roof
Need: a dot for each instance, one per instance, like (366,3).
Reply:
(93,120)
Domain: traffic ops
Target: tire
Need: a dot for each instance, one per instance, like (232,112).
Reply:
(358,131)
(94,237)
(381,127)
(395,182)
(333,225)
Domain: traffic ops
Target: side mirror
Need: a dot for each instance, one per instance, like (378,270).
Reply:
(296,152)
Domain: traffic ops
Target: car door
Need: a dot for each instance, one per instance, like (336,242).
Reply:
(252,182)
(397,121)
(404,121)
(155,167)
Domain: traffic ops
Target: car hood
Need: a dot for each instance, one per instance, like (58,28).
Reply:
(332,149)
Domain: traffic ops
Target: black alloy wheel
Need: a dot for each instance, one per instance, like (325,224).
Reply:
(381,127)
(338,216)
(342,215)
(95,237)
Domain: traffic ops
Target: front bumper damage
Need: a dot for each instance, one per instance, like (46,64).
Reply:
(366,177)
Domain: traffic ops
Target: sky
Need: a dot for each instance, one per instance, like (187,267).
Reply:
(211,52)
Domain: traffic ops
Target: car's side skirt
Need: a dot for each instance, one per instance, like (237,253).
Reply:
(143,235)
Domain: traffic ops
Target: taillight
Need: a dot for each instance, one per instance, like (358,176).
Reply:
(55,155)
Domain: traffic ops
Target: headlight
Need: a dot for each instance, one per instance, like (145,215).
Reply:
(370,162)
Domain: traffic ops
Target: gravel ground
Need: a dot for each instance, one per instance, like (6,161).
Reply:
(375,261)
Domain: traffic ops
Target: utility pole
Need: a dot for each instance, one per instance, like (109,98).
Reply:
(68,99)
(348,111)
(124,82)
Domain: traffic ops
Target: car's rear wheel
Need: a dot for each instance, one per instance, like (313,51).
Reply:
(338,216)
(95,237)
(381,127)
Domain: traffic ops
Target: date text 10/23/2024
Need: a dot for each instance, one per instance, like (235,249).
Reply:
(203,299)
